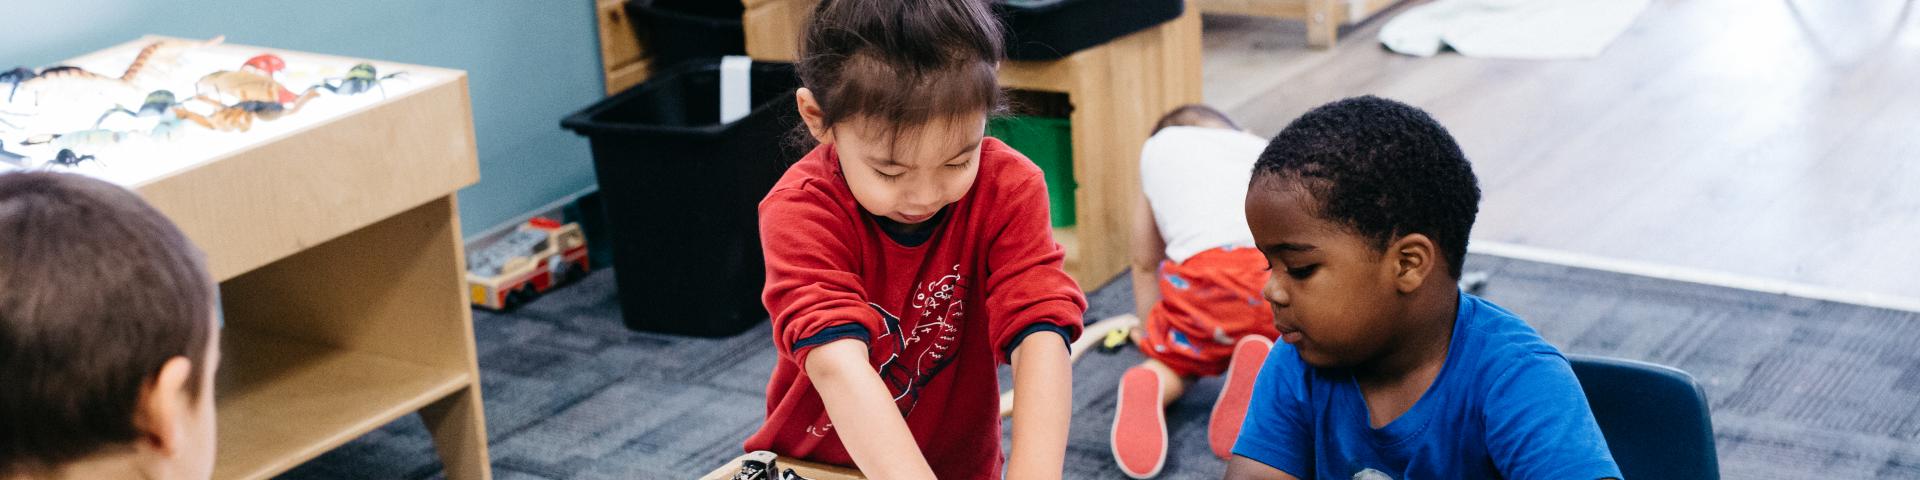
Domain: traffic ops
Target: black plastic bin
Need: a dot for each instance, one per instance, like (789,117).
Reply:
(1052,29)
(675,31)
(681,192)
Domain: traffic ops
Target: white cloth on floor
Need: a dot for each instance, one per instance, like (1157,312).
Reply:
(1513,29)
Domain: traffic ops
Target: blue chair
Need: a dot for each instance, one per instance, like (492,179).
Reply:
(1654,417)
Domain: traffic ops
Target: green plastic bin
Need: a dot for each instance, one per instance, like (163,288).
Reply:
(1048,142)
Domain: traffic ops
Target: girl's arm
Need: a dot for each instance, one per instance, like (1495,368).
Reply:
(1149,249)
(863,412)
(1044,378)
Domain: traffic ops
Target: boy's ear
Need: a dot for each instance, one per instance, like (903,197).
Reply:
(811,114)
(163,408)
(1413,258)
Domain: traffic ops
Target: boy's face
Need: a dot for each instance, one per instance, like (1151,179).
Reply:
(1333,295)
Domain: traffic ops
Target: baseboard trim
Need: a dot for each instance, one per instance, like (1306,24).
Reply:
(1693,275)
(551,209)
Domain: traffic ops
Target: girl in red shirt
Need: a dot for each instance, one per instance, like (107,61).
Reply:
(908,255)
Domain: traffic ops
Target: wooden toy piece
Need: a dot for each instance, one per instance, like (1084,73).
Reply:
(536,257)
(779,468)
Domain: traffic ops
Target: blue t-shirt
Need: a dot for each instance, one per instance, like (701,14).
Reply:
(1505,405)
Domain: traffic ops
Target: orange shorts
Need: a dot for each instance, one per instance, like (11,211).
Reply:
(1206,304)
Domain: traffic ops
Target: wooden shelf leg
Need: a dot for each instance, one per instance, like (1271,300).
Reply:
(1120,90)
(459,434)
(1322,29)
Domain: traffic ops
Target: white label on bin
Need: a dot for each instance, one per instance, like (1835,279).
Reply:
(736,80)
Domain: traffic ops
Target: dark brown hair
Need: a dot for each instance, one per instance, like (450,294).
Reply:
(97,292)
(1195,115)
(901,63)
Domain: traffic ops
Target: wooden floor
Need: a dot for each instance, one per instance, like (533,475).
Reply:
(1766,139)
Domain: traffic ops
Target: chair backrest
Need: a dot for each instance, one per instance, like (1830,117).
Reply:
(1654,417)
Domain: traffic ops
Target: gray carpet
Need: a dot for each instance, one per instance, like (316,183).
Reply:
(1799,388)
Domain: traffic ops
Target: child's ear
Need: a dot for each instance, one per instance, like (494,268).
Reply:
(810,113)
(1414,257)
(163,409)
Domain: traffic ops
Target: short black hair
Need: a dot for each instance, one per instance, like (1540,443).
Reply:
(98,290)
(1381,168)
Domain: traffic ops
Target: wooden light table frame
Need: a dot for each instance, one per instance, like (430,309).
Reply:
(337,247)
(1118,90)
(1323,17)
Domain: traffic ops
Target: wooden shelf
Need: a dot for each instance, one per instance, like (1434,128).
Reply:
(283,402)
(623,61)
(1069,240)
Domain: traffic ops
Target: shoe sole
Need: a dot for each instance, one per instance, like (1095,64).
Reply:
(1232,403)
(1152,404)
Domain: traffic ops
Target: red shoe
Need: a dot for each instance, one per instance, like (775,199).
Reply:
(1231,408)
(1140,424)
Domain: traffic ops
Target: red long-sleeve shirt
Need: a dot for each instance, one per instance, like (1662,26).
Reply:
(938,317)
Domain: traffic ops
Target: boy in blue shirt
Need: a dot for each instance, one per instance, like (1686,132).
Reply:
(1362,208)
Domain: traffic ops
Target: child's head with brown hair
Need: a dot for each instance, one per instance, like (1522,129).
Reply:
(1195,115)
(108,335)
(1363,207)
(901,91)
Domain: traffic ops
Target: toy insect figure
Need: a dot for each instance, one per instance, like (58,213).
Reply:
(359,79)
(254,93)
(265,64)
(158,103)
(67,81)
(16,77)
(66,158)
(243,87)
(84,138)
(239,116)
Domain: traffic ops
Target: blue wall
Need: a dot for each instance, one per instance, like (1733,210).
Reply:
(529,63)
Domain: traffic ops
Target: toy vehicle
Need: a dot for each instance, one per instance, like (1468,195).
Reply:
(536,257)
